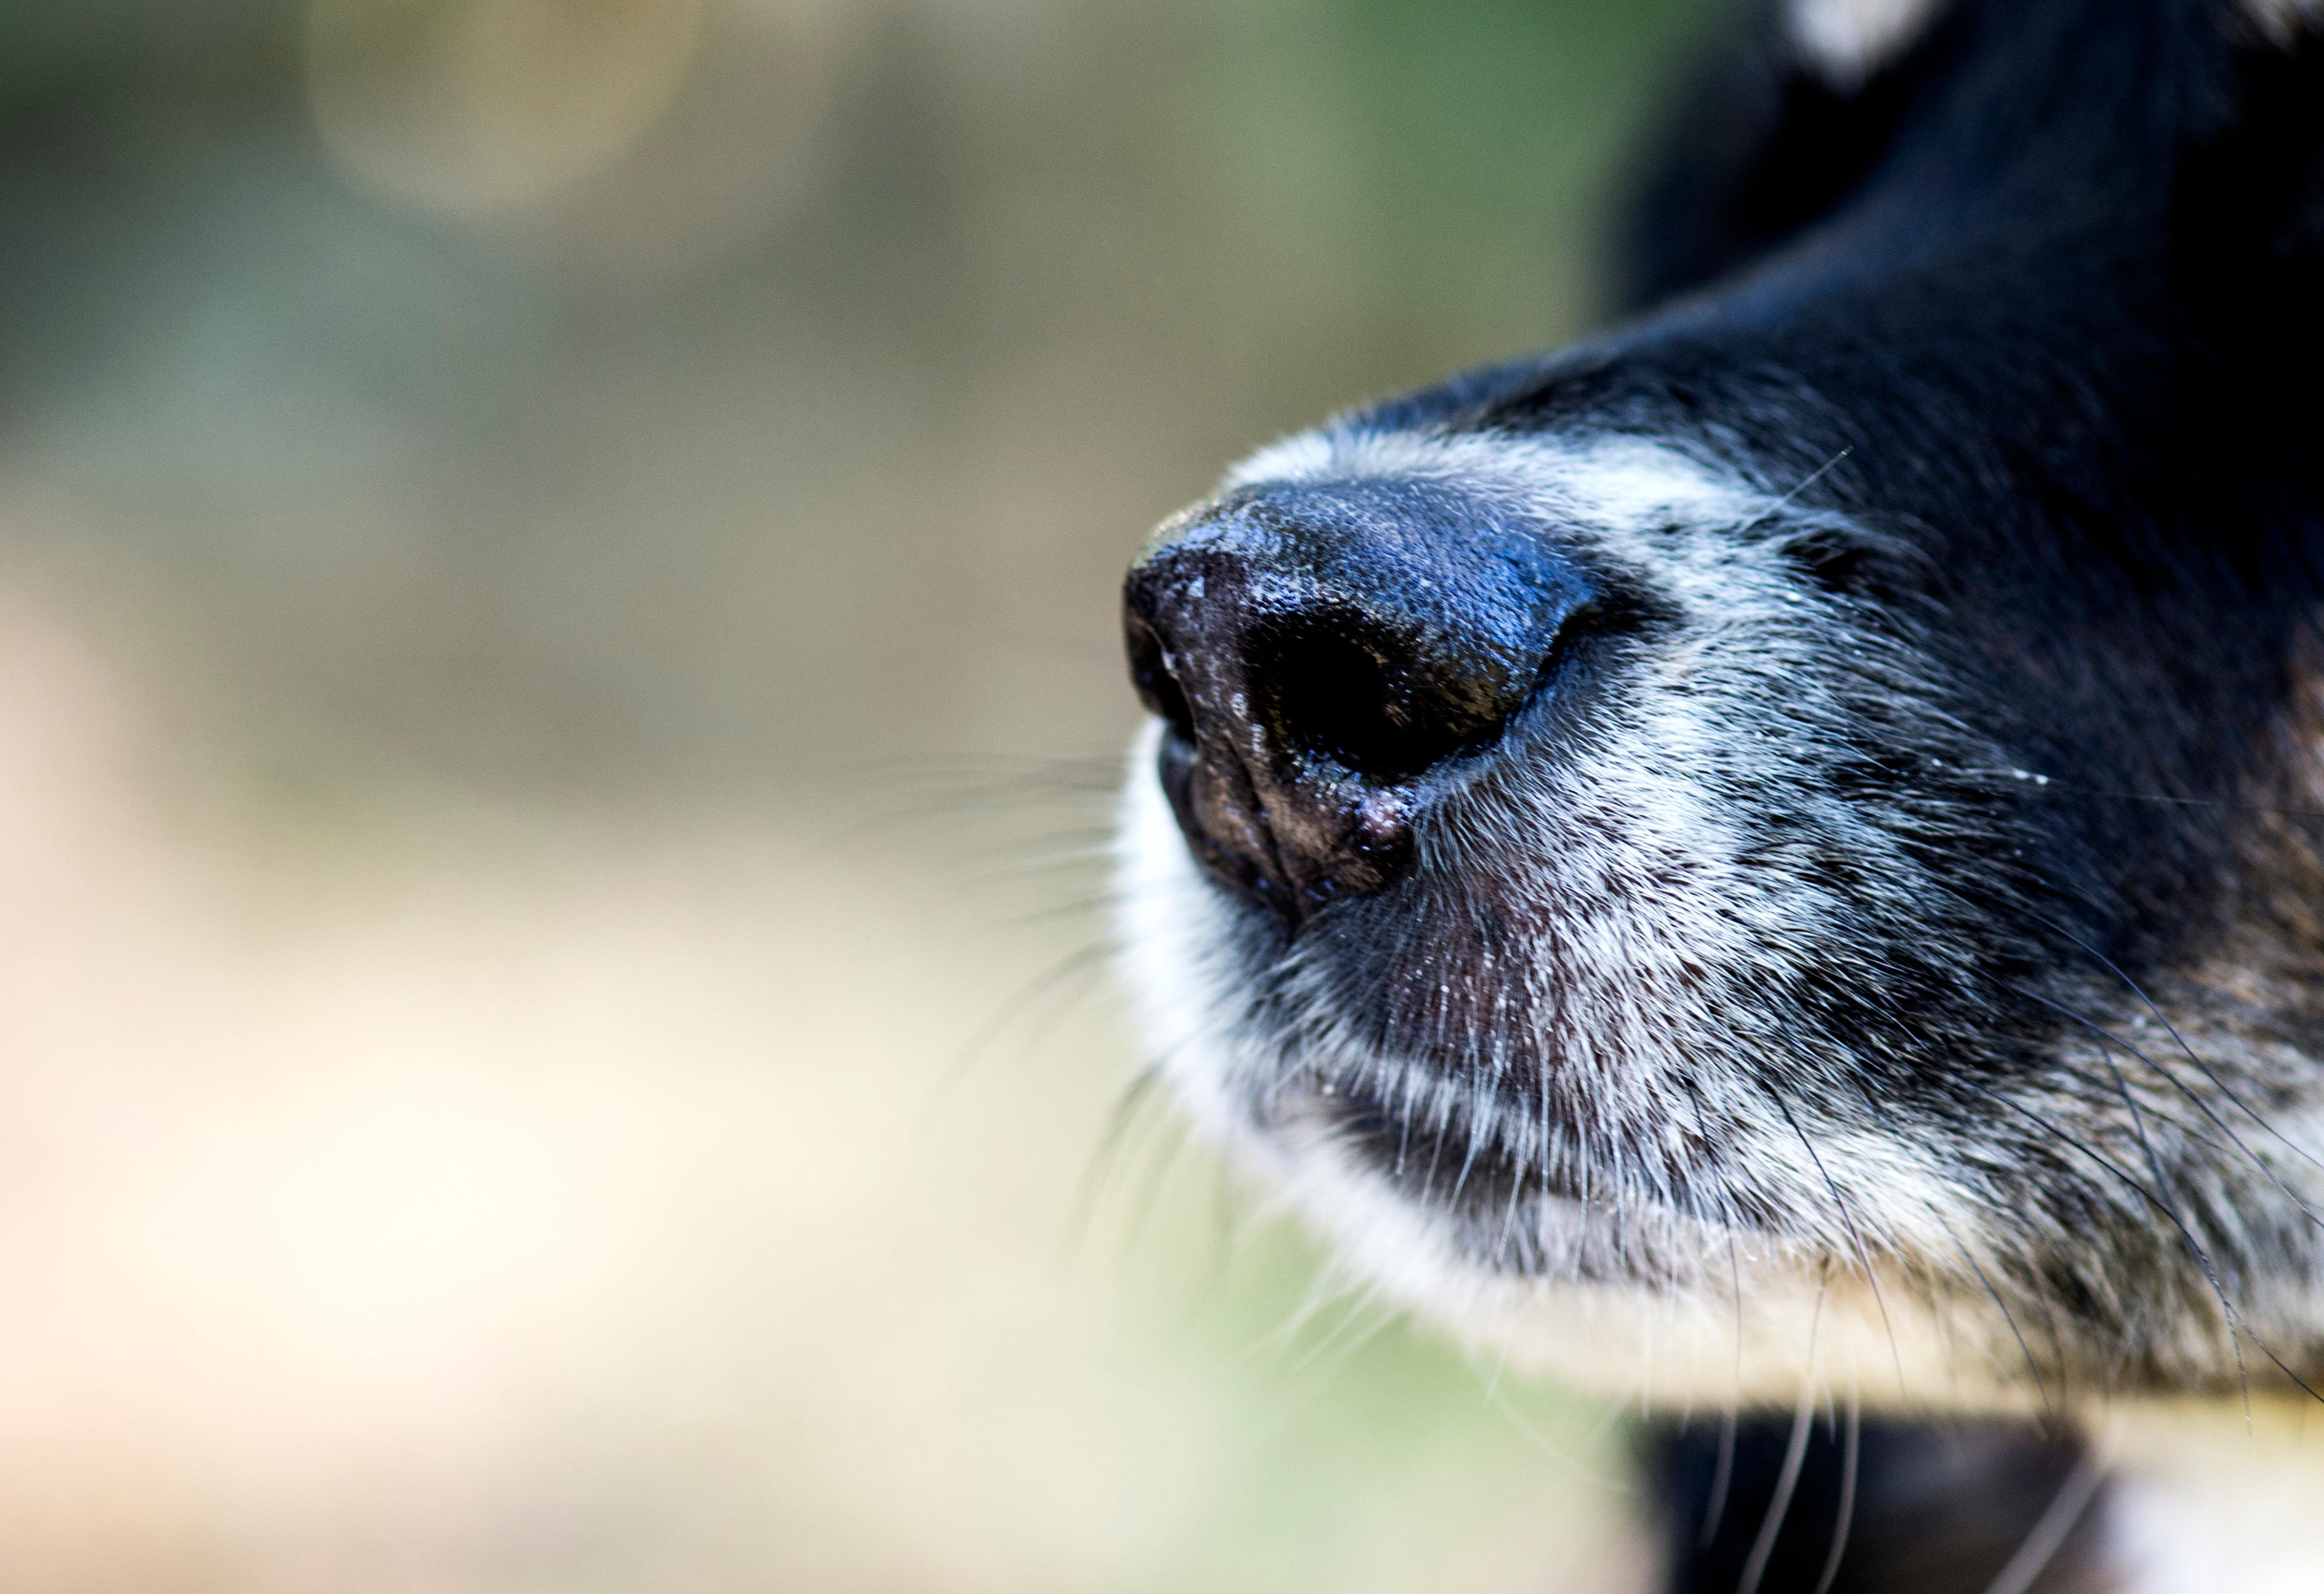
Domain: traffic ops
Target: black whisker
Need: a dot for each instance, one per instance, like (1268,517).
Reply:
(2164,1019)
(2236,1326)
(2009,1318)
(2107,1036)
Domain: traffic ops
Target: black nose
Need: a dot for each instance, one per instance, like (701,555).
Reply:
(1319,655)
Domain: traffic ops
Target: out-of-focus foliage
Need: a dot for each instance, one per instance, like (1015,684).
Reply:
(622,391)
(516,514)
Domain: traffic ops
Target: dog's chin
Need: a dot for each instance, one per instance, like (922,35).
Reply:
(1635,1301)
(1595,1279)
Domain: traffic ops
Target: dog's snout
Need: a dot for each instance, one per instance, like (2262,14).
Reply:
(1317,658)
(1291,731)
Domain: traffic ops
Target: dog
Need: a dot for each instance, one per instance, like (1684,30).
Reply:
(1773,860)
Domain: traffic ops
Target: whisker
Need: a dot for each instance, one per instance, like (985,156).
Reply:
(1847,1218)
(2007,1317)
(2049,1532)
(1356,1305)
(1134,1097)
(1102,901)
(1149,1190)
(1787,1479)
(1362,1308)
(1802,486)
(1049,851)
(1324,1290)
(1070,973)
(2164,1019)
(2162,1180)
(1850,1439)
(1723,1472)
(2238,1329)
(2109,1036)
(1613,1484)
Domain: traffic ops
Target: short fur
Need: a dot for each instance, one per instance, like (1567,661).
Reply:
(1884,954)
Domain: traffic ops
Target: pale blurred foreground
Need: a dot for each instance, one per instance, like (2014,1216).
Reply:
(539,1205)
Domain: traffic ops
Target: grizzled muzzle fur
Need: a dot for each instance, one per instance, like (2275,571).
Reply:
(1790,832)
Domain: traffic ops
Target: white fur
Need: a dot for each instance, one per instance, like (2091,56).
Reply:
(1847,41)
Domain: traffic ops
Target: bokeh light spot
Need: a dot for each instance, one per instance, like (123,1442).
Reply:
(485,105)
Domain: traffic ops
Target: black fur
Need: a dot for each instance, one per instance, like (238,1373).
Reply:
(2137,303)
(2067,326)
(1932,1509)
(2019,343)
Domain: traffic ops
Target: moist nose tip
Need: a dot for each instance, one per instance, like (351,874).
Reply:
(1303,710)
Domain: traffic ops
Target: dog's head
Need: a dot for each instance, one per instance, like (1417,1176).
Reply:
(1791,838)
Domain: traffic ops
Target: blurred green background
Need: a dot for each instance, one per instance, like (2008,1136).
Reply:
(557,666)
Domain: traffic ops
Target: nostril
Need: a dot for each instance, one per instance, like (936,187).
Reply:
(1318,655)
(1156,683)
(1368,704)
